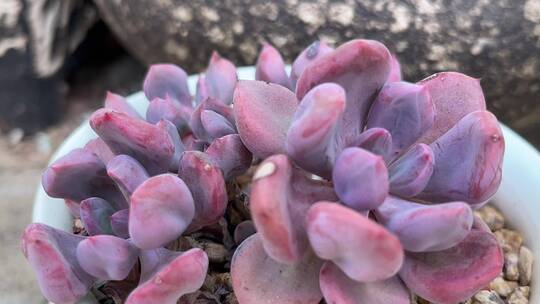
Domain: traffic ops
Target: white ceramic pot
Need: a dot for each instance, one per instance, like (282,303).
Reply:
(518,197)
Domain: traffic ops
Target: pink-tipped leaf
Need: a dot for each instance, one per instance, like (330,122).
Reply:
(220,78)
(270,67)
(167,80)
(410,174)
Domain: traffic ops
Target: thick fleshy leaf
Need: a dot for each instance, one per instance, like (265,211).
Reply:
(377,141)
(337,288)
(468,161)
(410,174)
(270,67)
(405,110)
(244,230)
(170,110)
(360,179)
(167,275)
(206,183)
(264,112)
(364,250)
(78,175)
(221,118)
(99,148)
(395,72)
(361,67)
(120,104)
(52,255)
(230,155)
(74,207)
(454,95)
(455,274)
(220,78)
(149,144)
(216,125)
(177,143)
(306,57)
(161,209)
(279,198)
(201,90)
(426,227)
(95,214)
(107,257)
(127,173)
(193,143)
(119,223)
(164,80)
(257,278)
(311,141)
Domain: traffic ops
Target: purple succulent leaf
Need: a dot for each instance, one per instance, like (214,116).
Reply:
(99,148)
(423,228)
(202,90)
(149,144)
(454,95)
(395,72)
(167,80)
(279,198)
(230,155)
(306,57)
(410,173)
(220,78)
(127,173)
(119,104)
(52,255)
(264,112)
(468,161)
(271,68)
(360,179)
(377,141)
(479,224)
(454,275)
(336,288)
(205,181)
(205,125)
(95,214)
(78,175)
(361,67)
(364,250)
(107,257)
(168,275)
(171,110)
(177,142)
(161,209)
(119,223)
(216,125)
(257,278)
(405,110)
(193,143)
(244,230)
(311,139)
(74,207)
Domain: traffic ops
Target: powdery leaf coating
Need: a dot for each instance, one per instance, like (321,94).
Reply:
(279,198)
(161,209)
(206,183)
(147,143)
(99,148)
(119,104)
(220,78)
(107,257)
(264,112)
(167,275)
(311,141)
(361,67)
(455,274)
(127,173)
(257,278)
(377,141)
(306,57)
(95,214)
(454,95)
(244,230)
(169,109)
(361,248)
(167,80)
(468,161)
(423,228)
(395,72)
(177,143)
(410,173)
(216,125)
(230,155)
(405,110)
(119,223)
(222,118)
(51,253)
(337,288)
(270,67)
(360,179)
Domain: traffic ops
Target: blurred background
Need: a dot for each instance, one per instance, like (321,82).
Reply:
(58,58)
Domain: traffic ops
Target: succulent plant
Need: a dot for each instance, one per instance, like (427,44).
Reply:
(364,186)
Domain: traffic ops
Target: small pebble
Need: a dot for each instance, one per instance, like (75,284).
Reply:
(15,136)
(511,271)
(492,217)
(217,253)
(488,297)
(519,296)
(502,287)
(510,240)
(525,265)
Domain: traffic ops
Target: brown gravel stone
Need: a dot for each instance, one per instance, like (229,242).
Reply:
(511,271)
(525,265)
(492,217)
(510,240)
(520,296)
(488,297)
(502,287)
